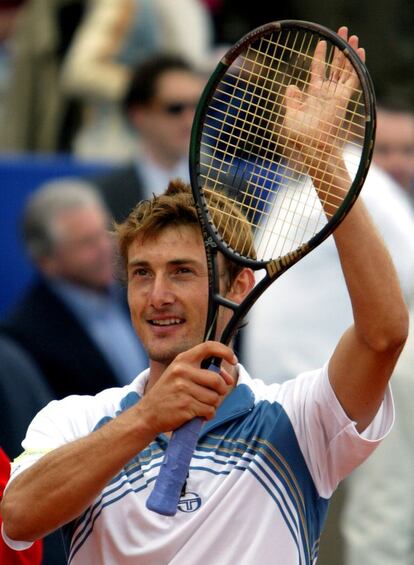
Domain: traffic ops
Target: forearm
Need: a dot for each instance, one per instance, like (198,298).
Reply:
(365,357)
(60,486)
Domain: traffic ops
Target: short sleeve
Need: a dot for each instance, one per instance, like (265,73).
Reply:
(329,440)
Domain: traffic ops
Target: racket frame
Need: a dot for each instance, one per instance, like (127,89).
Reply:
(213,242)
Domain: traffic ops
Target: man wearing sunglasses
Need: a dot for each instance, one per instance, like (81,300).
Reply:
(159,105)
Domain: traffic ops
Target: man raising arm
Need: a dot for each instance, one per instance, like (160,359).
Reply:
(267,456)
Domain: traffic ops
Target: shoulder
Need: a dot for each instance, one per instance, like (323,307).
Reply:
(79,415)
(290,390)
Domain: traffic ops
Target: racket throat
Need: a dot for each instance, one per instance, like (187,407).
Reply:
(211,332)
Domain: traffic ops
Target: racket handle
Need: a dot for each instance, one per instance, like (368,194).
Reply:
(174,469)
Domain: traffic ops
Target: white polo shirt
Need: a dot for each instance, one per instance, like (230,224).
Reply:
(258,486)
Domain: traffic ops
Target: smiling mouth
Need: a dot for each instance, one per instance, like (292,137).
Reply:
(167,322)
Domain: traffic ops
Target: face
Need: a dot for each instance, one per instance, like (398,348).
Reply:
(165,123)
(83,251)
(168,292)
(394,146)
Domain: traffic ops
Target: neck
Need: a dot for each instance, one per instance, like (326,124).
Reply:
(159,158)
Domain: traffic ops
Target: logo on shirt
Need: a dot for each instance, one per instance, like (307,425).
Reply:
(190,502)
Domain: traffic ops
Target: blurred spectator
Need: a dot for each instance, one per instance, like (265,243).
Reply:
(31,556)
(160,105)
(385,28)
(297,308)
(114,37)
(9,10)
(39,116)
(23,392)
(394,143)
(233,19)
(73,320)
(378,519)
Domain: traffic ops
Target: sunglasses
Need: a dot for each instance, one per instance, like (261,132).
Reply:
(177,108)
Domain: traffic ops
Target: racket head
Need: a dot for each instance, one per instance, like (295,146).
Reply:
(237,148)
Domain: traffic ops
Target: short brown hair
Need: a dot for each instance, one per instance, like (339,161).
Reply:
(176,207)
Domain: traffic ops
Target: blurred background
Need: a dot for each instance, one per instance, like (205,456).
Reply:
(55,90)
(66,65)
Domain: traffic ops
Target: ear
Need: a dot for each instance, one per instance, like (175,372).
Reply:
(241,285)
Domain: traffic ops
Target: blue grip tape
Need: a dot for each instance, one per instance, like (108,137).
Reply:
(174,469)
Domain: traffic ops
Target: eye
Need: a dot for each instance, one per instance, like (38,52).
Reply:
(183,273)
(140,272)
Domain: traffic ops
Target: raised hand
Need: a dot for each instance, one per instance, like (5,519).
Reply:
(313,128)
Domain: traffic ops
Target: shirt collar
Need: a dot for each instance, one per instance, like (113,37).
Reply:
(156,179)
(238,402)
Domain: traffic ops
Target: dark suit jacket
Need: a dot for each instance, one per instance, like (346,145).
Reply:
(66,355)
(121,189)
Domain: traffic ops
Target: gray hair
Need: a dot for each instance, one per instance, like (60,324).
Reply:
(42,207)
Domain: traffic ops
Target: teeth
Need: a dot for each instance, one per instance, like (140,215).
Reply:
(168,322)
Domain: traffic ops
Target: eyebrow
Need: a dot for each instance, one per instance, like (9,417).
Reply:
(182,261)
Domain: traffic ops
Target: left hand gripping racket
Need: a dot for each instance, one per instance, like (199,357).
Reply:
(281,143)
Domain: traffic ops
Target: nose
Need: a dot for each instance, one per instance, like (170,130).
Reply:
(160,292)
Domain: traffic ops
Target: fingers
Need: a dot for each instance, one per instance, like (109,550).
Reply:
(338,60)
(185,391)
(318,63)
(341,69)
(184,376)
(353,42)
(191,386)
(206,350)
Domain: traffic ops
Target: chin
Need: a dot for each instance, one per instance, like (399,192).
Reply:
(162,358)
(166,355)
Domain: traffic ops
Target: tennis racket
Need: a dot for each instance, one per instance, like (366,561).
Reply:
(281,143)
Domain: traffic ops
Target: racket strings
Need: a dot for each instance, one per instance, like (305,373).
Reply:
(268,221)
(261,176)
(238,133)
(264,97)
(246,153)
(273,113)
(294,71)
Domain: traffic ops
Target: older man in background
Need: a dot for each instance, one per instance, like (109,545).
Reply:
(73,320)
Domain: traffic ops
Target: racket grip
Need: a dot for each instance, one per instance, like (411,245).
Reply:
(174,469)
